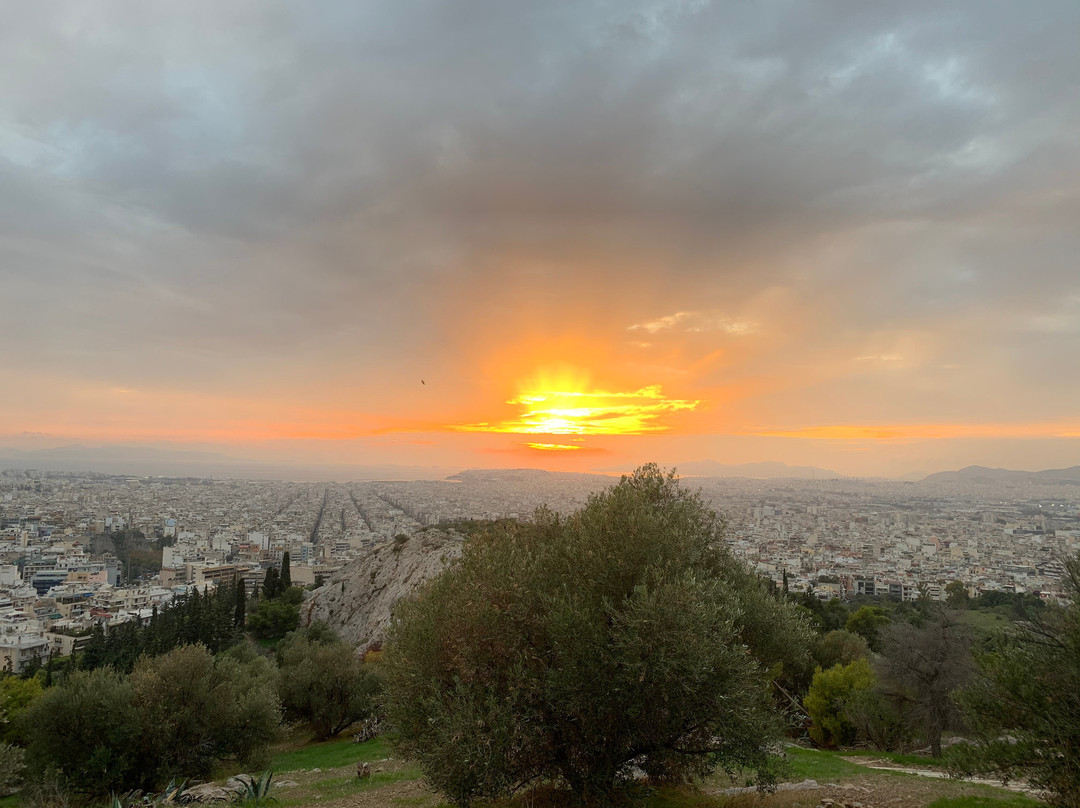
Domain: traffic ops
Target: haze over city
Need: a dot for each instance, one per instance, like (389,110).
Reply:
(574,236)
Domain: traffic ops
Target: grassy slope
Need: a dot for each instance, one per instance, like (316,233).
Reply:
(329,755)
(336,781)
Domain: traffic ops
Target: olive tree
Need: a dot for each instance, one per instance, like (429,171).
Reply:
(323,682)
(577,648)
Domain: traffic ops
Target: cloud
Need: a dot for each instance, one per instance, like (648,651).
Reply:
(284,203)
(695,322)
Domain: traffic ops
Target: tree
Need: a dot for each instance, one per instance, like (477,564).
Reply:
(867,621)
(197,710)
(240,604)
(825,702)
(956,595)
(270,619)
(1024,706)
(322,681)
(286,571)
(841,648)
(271,584)
(574,648)
(88,727)
(16,695)
(921,666)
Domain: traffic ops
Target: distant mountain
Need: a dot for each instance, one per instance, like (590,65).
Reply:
(984,475)
(761,471)
(149,461)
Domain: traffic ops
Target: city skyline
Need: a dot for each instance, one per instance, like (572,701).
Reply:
(574,236)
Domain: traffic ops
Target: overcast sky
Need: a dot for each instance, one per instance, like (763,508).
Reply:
(839,233)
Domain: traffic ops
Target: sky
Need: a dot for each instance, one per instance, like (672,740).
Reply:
(571,235)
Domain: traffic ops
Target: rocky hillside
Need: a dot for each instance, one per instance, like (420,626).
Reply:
(357,602)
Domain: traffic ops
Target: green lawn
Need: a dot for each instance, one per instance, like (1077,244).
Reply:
(984,622)
(329,755)
(9,802)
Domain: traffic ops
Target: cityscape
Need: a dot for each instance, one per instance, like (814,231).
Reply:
(60,573)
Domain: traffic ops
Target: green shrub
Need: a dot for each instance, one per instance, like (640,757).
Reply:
(825,702)
(89,728)
(322,682)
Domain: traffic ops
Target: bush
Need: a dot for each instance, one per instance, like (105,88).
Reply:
(88,727)
(176,715)
(829,693)
(572,649)
(15,696)
(197,710)
(322,681)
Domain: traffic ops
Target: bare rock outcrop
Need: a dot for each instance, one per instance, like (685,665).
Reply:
(359,599)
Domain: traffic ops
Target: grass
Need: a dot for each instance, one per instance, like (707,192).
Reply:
(984,623)
(816,764)
(334,788)
(329,755)
(9,802)
(1014,801)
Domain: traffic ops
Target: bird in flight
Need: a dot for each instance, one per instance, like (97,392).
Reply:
(423,383)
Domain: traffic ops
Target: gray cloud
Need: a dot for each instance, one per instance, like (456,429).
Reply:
(286,183)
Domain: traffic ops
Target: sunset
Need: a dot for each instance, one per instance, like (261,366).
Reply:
(540,403)
(568,236)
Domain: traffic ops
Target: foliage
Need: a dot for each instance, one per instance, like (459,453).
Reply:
(956,595)
(197,709)
(12,766)
(257,790)
(879,719)
(1024,706)
(270,619)
(841,647)
(867,622)
(286,571)
(920,666)
(16,695)
(176,715)
(573,648)
(322,681)
(829,692)
(88,727)
(207,618)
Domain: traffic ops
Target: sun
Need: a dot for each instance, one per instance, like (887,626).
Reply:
(563,403)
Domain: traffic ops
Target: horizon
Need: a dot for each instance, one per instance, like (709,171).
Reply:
(565,236)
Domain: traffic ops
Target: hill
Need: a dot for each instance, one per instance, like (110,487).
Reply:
(984,475)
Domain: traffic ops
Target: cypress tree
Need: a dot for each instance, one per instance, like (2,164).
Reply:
(286,572)
(271,584)
(240,604)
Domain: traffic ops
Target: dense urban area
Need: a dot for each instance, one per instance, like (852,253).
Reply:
(81,549)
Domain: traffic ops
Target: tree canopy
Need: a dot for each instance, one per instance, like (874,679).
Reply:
(576,648)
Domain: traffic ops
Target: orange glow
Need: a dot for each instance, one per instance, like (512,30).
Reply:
(562,404)
(553,447)
(909,432)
